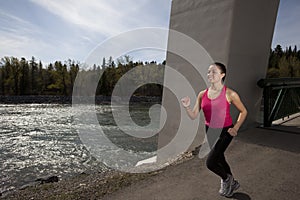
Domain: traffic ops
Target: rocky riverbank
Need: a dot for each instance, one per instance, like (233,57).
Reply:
(47,99)
(83,186)
(88,186)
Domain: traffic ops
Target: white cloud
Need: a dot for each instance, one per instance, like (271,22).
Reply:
(15,25)
(102,16)
(63,29)
(19,45)
(23,38)
(15,35)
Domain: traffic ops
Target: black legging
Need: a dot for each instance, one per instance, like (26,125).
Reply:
(219,140)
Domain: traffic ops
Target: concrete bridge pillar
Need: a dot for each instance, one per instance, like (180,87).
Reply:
(237,33)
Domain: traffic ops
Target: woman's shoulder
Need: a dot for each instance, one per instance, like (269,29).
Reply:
(231,93)
(228,90)
(201,93)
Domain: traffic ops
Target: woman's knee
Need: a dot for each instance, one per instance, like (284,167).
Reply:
(210,163)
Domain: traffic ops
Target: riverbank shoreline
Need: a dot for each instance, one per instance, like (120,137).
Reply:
(94,185)
(51,99)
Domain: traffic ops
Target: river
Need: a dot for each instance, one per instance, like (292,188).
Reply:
(40,140)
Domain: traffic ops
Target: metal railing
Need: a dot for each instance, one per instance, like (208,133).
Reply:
(281,98)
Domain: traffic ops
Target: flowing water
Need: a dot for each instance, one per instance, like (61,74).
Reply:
(40,140)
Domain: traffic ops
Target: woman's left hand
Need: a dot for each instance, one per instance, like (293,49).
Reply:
(232,132)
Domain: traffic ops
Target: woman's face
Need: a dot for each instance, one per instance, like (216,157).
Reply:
(214,74)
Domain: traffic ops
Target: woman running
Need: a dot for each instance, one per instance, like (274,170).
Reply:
(215,102)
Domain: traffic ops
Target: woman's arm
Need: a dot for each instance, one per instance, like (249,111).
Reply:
(236,101)
(192,113)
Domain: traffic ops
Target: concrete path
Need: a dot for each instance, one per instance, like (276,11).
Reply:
(266,162)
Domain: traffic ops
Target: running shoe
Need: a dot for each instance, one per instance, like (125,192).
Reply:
(226,185)
(234,186)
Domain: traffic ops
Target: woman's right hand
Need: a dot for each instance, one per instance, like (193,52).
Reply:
(186,101)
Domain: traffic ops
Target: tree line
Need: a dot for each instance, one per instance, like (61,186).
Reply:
(284,63)
(30,77)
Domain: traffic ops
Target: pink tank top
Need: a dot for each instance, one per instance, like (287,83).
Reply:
(216,111)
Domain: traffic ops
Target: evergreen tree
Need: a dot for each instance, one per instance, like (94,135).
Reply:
(33,67)
(278,51)
(103,66)
(24,82)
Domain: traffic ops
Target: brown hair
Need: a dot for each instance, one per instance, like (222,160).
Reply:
(221,67)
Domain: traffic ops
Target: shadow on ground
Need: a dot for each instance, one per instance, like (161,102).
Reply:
(240,196)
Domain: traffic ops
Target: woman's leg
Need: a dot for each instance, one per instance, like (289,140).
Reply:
(225,165)
(216,160)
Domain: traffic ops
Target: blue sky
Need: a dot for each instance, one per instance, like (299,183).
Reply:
(54,30)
